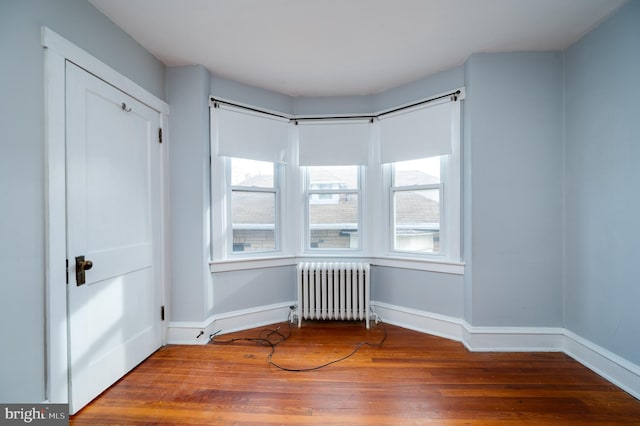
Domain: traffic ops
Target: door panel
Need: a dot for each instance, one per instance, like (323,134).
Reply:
(113,212)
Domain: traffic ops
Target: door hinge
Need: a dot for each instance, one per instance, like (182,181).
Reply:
(67,269)
(162,313)
(160,135)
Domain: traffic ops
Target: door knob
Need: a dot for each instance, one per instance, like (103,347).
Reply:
(81,266)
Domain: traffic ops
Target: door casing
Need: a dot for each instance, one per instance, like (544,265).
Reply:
(57,51)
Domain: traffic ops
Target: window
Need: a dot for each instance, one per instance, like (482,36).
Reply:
(254,201)
(248,164)
(333,207)
(420,153)
(416,192)
(332,156)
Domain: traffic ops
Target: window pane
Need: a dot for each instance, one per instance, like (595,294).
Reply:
(333,177)
(334,225)
(424,171)
(253,221)
(417,221)
(251,173)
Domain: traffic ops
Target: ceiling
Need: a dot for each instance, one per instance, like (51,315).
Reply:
(346,47)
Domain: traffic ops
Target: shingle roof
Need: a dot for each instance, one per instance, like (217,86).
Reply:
(412,207)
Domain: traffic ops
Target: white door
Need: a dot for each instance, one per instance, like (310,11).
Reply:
(113,220)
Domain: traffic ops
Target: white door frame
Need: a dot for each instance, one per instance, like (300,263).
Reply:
(57,51)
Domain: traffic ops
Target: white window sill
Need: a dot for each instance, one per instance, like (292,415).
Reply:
(251,263)
(428,265)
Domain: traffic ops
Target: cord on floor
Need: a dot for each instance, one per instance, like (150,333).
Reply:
(274,337)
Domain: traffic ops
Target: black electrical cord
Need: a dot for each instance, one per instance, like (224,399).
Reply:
(274,337)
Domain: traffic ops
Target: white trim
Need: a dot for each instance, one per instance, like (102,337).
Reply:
(57,386)
(190,333)
(165,223)
(229,322)
(424,322)
(251,263)
(193,333)
(57,51)
(429,265)
(512,339)
(615,369)
(81,58)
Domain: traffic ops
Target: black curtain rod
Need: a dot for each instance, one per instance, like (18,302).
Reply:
(218,101)
(454,95)
(448,95)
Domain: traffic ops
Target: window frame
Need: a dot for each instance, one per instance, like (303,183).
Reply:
(309,192)
(393,189)
(277,231)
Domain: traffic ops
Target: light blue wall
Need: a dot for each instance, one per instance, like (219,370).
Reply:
(514,189)
(238,290)
(22,316)
(189,194)
(250,95)
(426,87)
(367,104)
(602,174)
(423,291)
(333,105)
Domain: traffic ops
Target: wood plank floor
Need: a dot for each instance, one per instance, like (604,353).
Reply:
(413,378)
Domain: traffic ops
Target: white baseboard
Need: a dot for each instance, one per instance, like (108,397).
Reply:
(198,333)
(615,369)
(251,318)
(424,322)
(513,339)
(190,333)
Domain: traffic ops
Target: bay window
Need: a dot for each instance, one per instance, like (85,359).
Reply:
(386,187)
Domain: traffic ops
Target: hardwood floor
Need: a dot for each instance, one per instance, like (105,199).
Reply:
(413,378)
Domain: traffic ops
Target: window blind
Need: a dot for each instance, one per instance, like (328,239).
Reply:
(334,143)
(250,135)
(414,133)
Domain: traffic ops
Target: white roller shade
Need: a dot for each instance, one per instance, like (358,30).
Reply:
(246,134)
(420,132)
(334,143)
